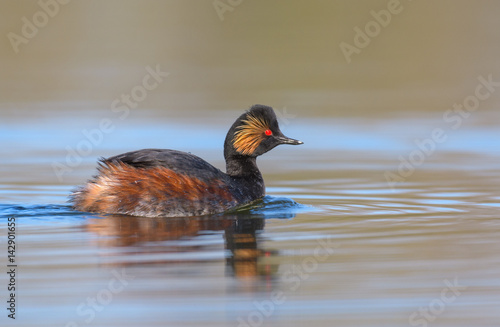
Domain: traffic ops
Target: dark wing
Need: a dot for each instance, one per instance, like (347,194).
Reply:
(156,183)
(178,161)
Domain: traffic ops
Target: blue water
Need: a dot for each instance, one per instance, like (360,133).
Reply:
(331,244)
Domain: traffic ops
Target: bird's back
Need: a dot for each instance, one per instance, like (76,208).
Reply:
(154,182)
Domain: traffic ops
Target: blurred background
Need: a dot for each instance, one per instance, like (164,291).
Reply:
(224,57)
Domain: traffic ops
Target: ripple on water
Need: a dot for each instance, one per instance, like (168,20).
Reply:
(267,207)
(377,199)
(275,207)
(38,211)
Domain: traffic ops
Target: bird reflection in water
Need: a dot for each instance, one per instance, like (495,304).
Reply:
(157,238)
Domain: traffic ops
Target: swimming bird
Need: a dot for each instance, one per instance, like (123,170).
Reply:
(170,183)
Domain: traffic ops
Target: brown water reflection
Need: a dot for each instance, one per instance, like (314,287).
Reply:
(144,236)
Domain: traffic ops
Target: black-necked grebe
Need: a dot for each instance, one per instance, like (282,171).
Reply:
(169,183)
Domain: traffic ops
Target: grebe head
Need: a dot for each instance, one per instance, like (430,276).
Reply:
(254,133)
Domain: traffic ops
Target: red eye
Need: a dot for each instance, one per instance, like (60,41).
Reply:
(268,132)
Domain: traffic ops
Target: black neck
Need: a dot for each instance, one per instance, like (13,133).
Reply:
(242,169)
(246,176)
(242,166)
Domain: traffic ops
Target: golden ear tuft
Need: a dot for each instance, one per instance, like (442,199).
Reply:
(250,133)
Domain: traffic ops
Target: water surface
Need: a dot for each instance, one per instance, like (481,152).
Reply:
(332,243)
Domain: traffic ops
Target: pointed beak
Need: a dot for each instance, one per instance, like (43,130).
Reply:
(285,140)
